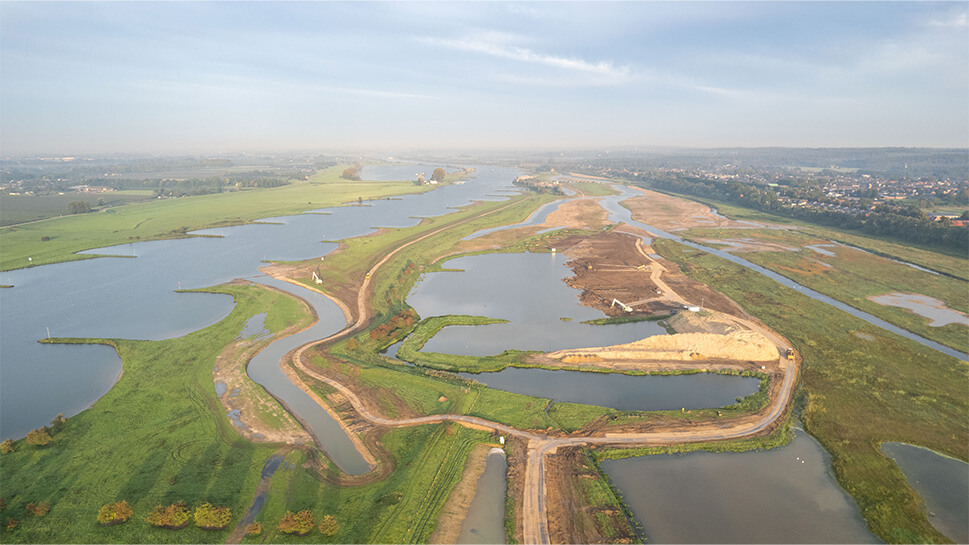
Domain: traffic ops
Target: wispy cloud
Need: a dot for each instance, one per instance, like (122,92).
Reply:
(605,69)
(954,20)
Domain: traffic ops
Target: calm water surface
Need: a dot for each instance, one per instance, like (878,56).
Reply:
(136,299)
(527,290)
(485,522)
(785,495)
(942,482)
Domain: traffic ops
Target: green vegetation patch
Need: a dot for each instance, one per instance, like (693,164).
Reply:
(860,386)
(625,319)
(403,508)
(173,218)
(853,276)
(148,442)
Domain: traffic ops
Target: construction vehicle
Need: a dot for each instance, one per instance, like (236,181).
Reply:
(316,278)
(622,305)
(791,353)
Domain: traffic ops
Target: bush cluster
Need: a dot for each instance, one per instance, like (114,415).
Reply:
(174,516)
(115,513)
(210,517)
(38,509)
(297,523)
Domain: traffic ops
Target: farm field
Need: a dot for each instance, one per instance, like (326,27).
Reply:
(23,208)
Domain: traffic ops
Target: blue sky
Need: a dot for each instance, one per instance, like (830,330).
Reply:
(83,77)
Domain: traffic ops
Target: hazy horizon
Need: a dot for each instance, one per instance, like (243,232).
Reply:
(170,78)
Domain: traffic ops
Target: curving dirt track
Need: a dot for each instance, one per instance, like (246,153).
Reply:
(539,444)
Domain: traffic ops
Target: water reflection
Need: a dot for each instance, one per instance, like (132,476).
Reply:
(943,483)
(785,495)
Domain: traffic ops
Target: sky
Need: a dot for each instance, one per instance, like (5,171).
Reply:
(184,77)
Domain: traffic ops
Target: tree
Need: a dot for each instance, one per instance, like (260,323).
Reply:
(79,207)
(352,172)
(254,529)
(438,175)
(38,509)
(114,513)
(329,526)
(39,437)
(297,523)
(7,446)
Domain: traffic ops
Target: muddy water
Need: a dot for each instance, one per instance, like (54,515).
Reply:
(943,484)
(527,289)
(485,522)
(785,495)
(623,392)
(928,307)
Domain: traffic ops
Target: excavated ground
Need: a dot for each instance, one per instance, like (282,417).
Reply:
(616,265)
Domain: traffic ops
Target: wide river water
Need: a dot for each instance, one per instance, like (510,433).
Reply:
(134,297)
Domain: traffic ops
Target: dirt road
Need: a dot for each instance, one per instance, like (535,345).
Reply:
(539,445)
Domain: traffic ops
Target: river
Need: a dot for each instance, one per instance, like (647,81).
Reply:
(135,297)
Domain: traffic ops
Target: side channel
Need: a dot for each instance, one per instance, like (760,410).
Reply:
(264,369)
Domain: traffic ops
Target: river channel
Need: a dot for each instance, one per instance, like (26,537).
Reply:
(135,297)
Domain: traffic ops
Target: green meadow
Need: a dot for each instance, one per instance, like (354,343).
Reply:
(173,218)
(859,386)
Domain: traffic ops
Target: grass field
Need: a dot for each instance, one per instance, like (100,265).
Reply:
(22,208)
(852,276)
(859,386)
(172,218)
(148,441)
(403,508)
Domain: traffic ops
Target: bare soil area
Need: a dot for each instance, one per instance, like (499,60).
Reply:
(573,520)
(676,214)
(617,265)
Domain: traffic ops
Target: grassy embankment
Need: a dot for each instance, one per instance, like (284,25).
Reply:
(172,218)
(147,441)
(154,442)
(860,386)
(403,508)
(593,189)
(853,276)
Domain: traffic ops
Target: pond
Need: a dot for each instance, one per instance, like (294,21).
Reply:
(943,484)
(938,313)
(527,289)
(485,522)
(784,495)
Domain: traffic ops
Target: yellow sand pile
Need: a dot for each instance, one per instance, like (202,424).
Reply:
(736,345)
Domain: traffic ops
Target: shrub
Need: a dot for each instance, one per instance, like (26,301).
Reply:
(210,517)
(6,447)
(173,517)
(297,523)
(12,523)
(254,529)
(39,437)
(114,513)
(329,526)
(38,509)
(3,504)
